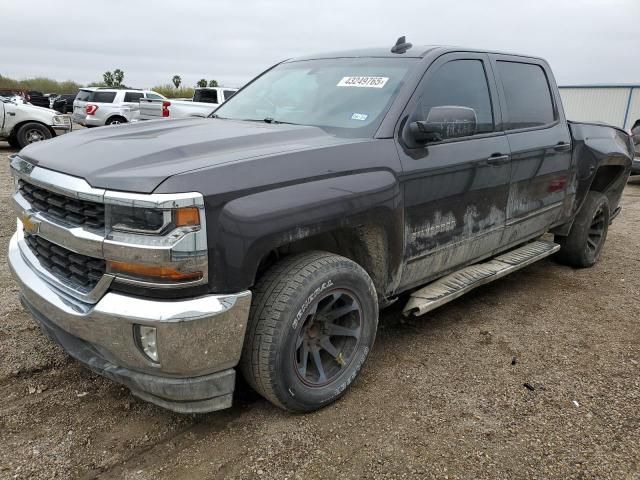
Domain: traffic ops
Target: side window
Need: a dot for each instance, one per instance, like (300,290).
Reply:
(133,97)
(228,94)
(527,95)
(102,97)
(154,96)
(458,83)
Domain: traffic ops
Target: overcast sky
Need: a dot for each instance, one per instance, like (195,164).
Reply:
(586,41)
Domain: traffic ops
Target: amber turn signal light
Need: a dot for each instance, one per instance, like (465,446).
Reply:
(152,272)
(187,217)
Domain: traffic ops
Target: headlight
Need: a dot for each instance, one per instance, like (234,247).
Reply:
(150,221)
(61,120)
(156,243)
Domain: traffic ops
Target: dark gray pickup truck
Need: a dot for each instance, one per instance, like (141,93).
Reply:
(166,255)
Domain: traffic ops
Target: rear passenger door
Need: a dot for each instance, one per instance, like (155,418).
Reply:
(540,144)
(455,189)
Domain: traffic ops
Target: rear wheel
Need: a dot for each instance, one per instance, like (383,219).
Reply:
(312,325)
(31,133)
(583,246)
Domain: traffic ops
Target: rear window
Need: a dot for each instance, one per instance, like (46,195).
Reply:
(133,96)
(207,96)
(527,95)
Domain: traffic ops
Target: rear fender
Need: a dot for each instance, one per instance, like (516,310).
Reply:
(602,158)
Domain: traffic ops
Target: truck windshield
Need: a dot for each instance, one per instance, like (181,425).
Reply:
(346,96)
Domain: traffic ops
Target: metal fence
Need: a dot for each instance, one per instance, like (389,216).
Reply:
(617,105)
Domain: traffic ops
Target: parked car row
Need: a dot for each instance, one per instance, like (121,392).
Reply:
(98,106)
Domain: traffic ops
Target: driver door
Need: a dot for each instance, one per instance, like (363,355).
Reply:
(455,188)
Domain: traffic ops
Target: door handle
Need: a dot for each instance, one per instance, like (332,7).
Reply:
(562,146)
(497,159)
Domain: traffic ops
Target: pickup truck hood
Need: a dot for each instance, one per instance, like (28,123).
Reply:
(32,108)
(140,156)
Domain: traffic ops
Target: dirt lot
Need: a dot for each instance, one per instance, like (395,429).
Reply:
(441,397)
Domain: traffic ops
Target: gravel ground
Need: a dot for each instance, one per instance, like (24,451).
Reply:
(443,396)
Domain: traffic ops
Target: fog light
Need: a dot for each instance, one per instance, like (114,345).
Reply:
(147,341)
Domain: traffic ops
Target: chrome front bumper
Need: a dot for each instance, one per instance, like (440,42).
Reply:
(199,340)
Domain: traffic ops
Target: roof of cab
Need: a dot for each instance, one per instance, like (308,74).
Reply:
(416,51)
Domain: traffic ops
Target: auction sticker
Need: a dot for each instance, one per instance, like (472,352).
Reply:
(367,82)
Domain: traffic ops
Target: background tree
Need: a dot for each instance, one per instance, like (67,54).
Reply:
(177,80)
(202,82)
(213,83)
(108,79)
(118,77)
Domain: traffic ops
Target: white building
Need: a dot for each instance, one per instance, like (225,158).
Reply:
(617,105)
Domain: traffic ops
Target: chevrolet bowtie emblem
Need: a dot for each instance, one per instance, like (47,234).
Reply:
(31,225)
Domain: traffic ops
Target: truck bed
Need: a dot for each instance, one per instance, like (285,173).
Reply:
(157,109)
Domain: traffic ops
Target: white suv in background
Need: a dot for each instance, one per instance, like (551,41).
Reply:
(97,106)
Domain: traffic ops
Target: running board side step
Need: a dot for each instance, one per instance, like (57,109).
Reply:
(458,283)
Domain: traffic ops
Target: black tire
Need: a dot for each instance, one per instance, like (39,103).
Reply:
(32,132)
(117,120)
(13,141)
(583,246)
(291,313)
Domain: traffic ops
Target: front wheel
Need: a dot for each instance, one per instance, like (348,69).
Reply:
(31,133)
(583,246)
(13,141)
(312,325)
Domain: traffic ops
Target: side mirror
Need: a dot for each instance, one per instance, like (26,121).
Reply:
(443,123)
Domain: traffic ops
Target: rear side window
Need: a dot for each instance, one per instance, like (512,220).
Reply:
(527,95)
(228,94)
(133,96)
(461,83)
(102,97)
(207,96)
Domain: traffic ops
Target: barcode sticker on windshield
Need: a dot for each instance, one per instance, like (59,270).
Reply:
(368,82)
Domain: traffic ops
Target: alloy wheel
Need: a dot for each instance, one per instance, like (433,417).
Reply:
(328,338)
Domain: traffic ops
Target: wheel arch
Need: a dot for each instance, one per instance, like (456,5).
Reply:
(17,126)
(358,216)
(116,115)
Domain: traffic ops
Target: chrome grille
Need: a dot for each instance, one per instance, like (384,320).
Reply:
(74,211)
(80,270)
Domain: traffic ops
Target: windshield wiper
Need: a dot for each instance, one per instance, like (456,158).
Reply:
(263,120)
(273,120)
